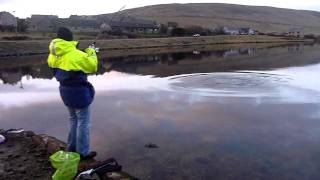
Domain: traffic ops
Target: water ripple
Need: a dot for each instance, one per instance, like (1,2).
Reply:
(244,84)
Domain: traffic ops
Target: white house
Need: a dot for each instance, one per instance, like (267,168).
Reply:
(7,19)
(296,32)
(230,31)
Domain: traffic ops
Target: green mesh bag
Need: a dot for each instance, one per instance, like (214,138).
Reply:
(66,165)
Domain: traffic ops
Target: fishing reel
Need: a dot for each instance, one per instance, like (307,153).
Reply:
(93,46)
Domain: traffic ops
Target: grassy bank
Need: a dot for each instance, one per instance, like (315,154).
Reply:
(12,48)
(20,61)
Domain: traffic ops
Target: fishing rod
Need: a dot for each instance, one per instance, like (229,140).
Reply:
(122,8)
(94,42)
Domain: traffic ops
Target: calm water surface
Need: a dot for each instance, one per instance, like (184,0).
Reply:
(243,113)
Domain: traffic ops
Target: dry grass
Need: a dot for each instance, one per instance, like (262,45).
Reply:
(41,46)
(265,19)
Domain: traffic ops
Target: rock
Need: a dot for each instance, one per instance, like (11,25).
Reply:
(10,156)
(48,143)
(16,156)
(9,169)
(28,133)
(31,151)
(21,170)
(10,145)
(38,141)
(24,156)
(53,145)
(14,131)
(1,169)
(40,160)
(151,145)
(10,173)
(37,175)
(38,155)
(46,168)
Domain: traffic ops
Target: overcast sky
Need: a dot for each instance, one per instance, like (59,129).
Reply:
(64,8)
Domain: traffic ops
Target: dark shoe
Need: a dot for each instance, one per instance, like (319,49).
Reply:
(91,155)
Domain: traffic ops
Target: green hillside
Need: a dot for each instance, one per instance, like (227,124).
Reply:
(265,19)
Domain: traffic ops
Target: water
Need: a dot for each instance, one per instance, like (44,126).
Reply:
(226,114)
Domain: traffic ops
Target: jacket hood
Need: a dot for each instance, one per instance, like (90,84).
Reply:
(59,47)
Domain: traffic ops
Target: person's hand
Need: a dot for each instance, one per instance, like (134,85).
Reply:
(92,46)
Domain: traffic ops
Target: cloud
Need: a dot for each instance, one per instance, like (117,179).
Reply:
(65,8)
(4,1)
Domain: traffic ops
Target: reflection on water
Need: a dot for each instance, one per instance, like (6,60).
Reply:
(208,123)
(218,60)
(170,64)
(289,84)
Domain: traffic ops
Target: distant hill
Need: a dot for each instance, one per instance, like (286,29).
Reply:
(265,19)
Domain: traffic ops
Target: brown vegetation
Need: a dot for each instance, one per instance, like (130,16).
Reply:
(12,48)
(265,19)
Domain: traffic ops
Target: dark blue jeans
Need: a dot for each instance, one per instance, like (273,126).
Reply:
(78,138)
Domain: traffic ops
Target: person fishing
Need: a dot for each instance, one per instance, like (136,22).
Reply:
(71,67)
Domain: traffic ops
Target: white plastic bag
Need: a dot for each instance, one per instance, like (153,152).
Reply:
(2,139)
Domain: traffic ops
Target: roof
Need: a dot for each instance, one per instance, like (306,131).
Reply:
(131,22)
(54,20)
(78,23)
(132,25)
(37,16)
(7,19)
(295,29)
(40,19)
(5,12)
(127,21)
(89,22)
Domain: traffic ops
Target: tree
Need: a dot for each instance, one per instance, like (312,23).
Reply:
(178,32)
(218,31)
(163,29)
(22,25)
(194,30)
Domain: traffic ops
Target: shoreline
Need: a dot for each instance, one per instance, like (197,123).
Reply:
(25,155)
(104,56)
(32,47)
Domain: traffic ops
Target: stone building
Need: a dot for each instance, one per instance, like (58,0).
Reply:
(50,23)
(7,19)
(133,25)
(42,23)
(79,25)
(296,32)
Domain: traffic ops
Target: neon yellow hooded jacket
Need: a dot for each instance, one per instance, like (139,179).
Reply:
(65,56)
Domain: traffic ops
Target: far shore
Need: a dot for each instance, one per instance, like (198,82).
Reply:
(36,47)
